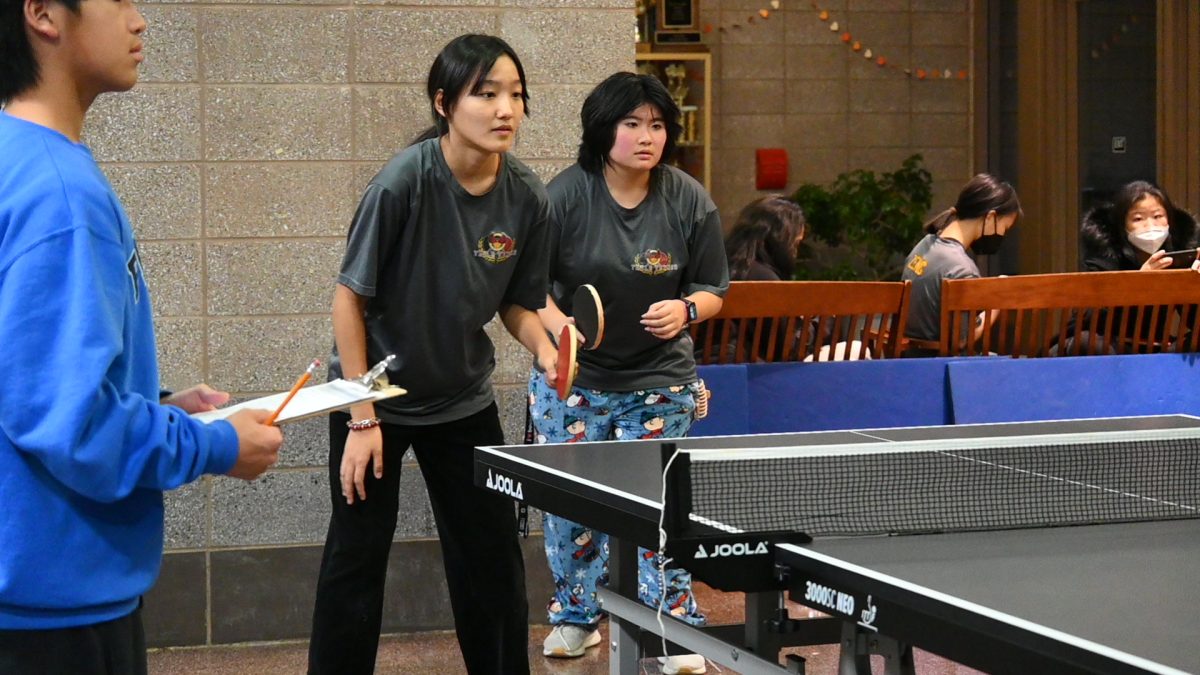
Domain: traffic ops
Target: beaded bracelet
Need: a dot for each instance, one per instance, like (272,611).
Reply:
(363,425)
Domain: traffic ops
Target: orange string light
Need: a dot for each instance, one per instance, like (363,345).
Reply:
(859,46)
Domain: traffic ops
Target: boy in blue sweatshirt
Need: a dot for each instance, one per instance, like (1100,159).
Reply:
(86,445)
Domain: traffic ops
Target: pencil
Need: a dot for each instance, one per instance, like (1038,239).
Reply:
(295,388)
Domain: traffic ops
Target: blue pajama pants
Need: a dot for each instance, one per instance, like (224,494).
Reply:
(577,555)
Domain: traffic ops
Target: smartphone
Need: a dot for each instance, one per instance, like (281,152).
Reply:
(1181,260)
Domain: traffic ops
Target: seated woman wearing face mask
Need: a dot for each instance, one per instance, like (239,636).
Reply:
(986,209)
(1134,232)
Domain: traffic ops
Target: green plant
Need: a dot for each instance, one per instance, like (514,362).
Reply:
(867,222)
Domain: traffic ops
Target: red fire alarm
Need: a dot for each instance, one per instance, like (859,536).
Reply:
(770,168)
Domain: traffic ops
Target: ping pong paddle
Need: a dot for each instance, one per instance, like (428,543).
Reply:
(568,343)
(589,315)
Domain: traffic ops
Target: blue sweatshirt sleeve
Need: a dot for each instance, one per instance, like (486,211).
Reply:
(78,390)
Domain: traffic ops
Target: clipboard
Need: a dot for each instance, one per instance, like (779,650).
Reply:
(318,399)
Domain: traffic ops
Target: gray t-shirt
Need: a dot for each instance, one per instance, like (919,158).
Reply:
(668,246)
(436,263)
(931,260)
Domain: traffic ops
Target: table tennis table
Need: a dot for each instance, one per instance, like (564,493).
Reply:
(1114,597)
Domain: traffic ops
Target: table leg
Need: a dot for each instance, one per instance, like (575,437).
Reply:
(897,657)
(854,659)
(857,647)
(762,608)
(624,653)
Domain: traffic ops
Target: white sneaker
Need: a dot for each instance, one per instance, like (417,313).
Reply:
(568,641)
(683,664)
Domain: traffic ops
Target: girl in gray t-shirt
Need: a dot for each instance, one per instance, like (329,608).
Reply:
(986,209)
(648,237)
(449,232)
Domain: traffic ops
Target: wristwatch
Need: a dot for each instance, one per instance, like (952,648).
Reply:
(692,315)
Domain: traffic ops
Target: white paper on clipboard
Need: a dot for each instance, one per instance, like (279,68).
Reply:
(309,401)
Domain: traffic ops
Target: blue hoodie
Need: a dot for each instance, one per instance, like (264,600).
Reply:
(86,450)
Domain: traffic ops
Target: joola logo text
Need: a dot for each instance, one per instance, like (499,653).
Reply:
(505,485)
(730,550)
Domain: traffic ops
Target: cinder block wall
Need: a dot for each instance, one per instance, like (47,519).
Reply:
(241,155)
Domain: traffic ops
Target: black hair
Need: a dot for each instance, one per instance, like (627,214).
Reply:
(982,194)
(1103,230)
(459,69)
(18,67)
(613,100)
(766,231)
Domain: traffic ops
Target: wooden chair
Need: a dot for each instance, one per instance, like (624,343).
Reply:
(1080,313)
(805,320)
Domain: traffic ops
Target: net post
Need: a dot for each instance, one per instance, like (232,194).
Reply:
(677,499)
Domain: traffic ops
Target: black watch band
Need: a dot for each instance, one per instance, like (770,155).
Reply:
(692,314)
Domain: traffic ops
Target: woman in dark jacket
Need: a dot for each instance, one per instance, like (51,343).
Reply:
(1133,232)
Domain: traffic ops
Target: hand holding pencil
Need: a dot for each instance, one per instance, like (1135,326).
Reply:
(258,443)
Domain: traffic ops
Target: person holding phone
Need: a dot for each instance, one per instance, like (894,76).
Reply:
(1140,229)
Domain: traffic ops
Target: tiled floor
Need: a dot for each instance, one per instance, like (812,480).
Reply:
(438,653)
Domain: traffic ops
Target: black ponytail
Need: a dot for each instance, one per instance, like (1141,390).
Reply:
(982,194)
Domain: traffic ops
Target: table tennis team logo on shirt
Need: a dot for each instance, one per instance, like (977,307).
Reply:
(653,262)
(496,247)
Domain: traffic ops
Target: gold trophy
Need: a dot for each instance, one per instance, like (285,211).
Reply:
(677,82)
(676,75)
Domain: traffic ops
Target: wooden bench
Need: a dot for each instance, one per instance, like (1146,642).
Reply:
(1079,313)
(804,320)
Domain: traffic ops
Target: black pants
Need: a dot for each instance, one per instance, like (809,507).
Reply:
(484,568)
(116,647)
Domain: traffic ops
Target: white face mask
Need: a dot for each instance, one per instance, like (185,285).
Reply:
(1148,240)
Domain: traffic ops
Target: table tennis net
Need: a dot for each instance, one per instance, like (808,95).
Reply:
(952,487)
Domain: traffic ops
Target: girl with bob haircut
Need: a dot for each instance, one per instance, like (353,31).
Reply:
(648,237)
(986,209)
(451,231)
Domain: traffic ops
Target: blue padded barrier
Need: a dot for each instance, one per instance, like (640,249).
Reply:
(1020,390)
(785,397)
(815,396)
